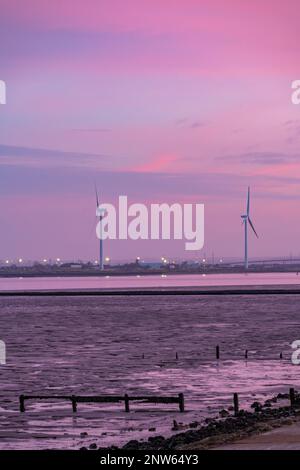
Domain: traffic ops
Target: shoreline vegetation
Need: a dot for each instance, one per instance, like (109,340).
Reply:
(225,429)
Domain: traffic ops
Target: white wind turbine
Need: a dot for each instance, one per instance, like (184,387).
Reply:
(100,213)
(246,219)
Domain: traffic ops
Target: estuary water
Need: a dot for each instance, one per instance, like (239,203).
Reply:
(149,281)
(93,345)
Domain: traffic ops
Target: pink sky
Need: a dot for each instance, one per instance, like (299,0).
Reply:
(162,100)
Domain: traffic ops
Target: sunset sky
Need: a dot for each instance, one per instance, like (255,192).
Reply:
(160,100)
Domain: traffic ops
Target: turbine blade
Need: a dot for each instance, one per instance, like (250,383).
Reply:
(248,200)
(252,226)
(97,199)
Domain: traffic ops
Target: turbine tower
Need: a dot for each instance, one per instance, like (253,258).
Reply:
(246,219)
(100,213)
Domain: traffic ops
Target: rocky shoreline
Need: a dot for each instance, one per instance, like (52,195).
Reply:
(217,431)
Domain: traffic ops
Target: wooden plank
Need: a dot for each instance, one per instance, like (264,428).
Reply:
(100,399)
(154,399)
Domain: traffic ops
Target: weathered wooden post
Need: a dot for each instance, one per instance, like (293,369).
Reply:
(74,403)
(181,402)
(292,396)
(218,352)
(22,403)
(280,355)
(126,398)
(236,404)
(246,354)
(176,356)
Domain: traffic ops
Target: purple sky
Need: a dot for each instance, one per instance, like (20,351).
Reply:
(161,100)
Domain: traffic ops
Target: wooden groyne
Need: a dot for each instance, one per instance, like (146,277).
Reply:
(75,399)
(293,396)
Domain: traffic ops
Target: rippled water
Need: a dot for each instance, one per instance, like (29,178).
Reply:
(93,345)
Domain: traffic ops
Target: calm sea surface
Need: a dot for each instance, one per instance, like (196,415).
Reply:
(175,280)
(95,345)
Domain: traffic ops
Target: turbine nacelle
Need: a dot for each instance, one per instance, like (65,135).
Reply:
(100,211)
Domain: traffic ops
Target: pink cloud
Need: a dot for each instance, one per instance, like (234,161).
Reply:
(158,164)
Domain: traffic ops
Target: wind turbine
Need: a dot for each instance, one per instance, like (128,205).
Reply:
(246,219)
(100,213)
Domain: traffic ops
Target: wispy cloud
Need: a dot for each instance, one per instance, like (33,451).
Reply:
(261,158)
(189,123)
(11,155)
(93,129)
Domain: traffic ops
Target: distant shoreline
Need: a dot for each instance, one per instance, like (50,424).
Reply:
(194,291)
(137,270)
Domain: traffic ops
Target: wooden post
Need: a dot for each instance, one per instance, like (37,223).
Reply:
(74,403)
(292,396)
(218,352)
(176,356)
(280,355)
(236,404)
(246,354)
(126,398)
(181,402)
(22,403)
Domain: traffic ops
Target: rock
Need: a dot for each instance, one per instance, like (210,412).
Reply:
(273,400)
(267,404)
(93,446)
(208,420)
(283,396)
(133,444)
(255,404)
(223,413)
(152,429)
(83,434)
(194,424)
(83,448)
(190,436)
(157,440)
